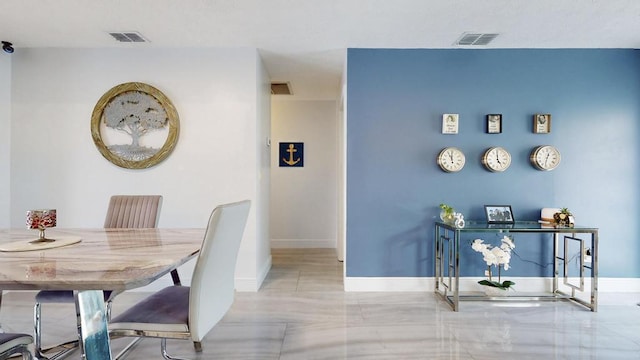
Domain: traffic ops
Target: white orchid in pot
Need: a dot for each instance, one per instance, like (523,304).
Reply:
(498,256)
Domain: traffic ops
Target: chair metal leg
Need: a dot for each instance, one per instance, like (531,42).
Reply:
(37,331)
(63,349)
(26,354)
(163,349)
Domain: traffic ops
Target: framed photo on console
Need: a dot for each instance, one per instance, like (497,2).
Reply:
(499,214)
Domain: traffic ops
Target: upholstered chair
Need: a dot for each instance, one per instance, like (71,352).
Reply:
(124,211)
(12,344)
(190,312)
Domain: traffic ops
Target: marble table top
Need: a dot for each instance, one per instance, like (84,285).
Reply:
(104,259)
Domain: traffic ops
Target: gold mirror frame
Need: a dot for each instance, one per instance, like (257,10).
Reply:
(173,122)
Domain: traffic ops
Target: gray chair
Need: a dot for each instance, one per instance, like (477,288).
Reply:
(124,211)
(189,313)
(12,344)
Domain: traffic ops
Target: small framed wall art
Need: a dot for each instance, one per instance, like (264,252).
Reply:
(499,214)
(542,123)
(450,123)
(291,154)
(494,123)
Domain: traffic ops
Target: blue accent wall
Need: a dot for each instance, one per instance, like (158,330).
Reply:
(395,102)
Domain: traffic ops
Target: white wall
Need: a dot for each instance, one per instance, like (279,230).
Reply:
(54,163)
(304,199)
(264,192)
(5,136)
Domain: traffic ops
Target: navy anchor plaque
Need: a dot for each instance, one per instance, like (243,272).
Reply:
(291,154)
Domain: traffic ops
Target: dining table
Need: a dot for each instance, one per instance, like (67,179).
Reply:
(92,259)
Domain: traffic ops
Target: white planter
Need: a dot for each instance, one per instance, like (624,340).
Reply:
(492,291)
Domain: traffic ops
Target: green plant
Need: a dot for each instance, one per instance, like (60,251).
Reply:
(448,210)
(563,217)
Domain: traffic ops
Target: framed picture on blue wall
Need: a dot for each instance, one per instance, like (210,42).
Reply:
(499,214)
(450,123)
(494,123)
(542,123)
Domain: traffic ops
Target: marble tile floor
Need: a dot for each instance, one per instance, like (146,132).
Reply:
(301,312)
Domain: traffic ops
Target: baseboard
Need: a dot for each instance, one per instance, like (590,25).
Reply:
(253,284)
(388,284)
(303,243)
(531,284)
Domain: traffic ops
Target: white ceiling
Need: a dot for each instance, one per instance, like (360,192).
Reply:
(305,41)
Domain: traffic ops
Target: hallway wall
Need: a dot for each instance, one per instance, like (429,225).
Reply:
(304,199)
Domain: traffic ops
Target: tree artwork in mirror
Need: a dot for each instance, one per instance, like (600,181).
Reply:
(134,125)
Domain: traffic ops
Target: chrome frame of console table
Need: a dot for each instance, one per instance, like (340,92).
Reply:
(447,261)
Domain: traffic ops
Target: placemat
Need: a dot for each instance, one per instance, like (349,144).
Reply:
(28,245)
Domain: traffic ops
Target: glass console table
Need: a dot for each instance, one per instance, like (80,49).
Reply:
(577,287)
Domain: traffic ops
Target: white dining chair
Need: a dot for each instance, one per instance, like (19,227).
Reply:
(190,312)
(124,211)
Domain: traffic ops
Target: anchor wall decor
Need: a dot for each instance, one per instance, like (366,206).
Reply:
(291,154)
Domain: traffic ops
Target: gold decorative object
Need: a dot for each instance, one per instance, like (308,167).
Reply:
(135,126)
(41,219)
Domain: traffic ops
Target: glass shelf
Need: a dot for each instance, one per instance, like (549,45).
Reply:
(518,226)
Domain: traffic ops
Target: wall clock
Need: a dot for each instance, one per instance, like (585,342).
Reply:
(545,157)
(496,159)
(451,159)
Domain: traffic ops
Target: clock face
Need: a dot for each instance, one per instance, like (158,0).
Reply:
(545,157)
(451,159)
(496,159)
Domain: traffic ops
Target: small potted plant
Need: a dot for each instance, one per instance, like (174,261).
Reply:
(563,217)
(447,213)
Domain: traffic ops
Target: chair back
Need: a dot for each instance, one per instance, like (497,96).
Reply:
(94,334)
(133,211)
(213,283)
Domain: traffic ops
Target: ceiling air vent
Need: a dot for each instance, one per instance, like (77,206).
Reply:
(280,89)
(131,36)
(476,39)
